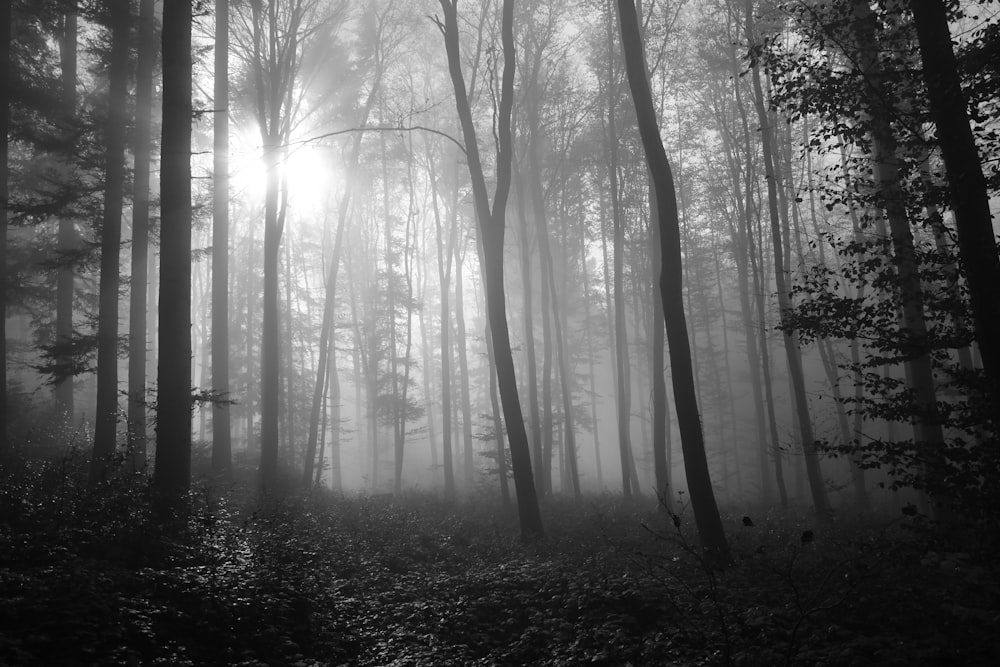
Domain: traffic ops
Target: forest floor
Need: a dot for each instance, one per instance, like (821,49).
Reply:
(88,578)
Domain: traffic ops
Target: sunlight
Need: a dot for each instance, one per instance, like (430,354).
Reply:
(310,171)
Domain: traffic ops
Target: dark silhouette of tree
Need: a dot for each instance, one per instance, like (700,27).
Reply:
(491,229)
(221,422)
(140,236)
(67,237)
(969,193)
(172,476)
(106,419)
(706,512)
(6,13)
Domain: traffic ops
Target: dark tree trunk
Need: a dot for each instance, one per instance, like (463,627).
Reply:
(140,237)
(491,228)
(222,447)
(106,419)
(270,350)
(710,531)
(928,430)
(970,197)
(622,380)
(172,476)
(5,28)
(67,240)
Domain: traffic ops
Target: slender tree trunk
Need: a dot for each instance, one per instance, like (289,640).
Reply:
(590,356)
(6,20)
(172,475)
(468,461)
(792,352)
(491,228)
(67,240)
(710,531)
(106,419)
(889,174)
(221,426)
(531,358)
(270,344)
(623,381)
(661,415)
(137,436)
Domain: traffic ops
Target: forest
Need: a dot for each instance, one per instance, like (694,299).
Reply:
(500,332)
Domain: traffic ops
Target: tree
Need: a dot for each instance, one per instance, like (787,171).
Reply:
(793,354)
(172,475)
(272,39)
(106,419)
(221,421)
(491,232)
(6,13)
(970,197)
(67,239)
(140,236)
(710,531)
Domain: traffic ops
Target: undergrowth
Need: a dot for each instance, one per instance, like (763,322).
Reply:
(88,577)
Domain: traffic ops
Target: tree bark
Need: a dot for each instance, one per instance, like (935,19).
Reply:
(710,531)
(6,12)
(491,228)
(793,354)
(106,418)
(222,448)
(889,174)
(140,236)
(970,196)
(172,476)
(67,239)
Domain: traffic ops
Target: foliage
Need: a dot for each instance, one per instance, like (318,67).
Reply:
(413,580)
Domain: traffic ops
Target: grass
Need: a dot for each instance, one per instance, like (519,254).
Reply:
(86,577)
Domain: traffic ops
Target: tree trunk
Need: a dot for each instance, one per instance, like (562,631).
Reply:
(623,381)
(491,228)
(534,417)
(5,76)
(222,456)
(67,240)
(270,345)
(710,531)
(889,174)
(172,475)
(970,196)
(106,418)
(468,462)
(793,354)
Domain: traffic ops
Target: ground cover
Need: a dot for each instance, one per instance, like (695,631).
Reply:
(88,577)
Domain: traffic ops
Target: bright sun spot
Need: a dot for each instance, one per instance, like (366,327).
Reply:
(310,172)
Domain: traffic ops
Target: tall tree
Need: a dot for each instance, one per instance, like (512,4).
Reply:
(273,39)
(970,197)
(221,422)
(491,232)
(172,475)
(622,376)
(6,12)
(889,175)
(67,240)
(140,236)
(106,419)
(793,354)
(706,512)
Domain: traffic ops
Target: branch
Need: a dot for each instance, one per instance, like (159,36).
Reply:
(381,128)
